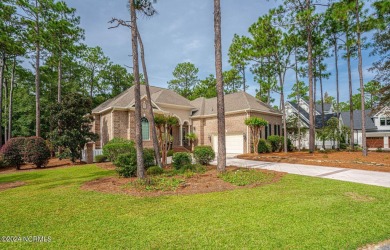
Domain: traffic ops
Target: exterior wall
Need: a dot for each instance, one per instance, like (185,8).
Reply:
(96,129)
(120,124)
(106,128)
(271,119)
(206,128)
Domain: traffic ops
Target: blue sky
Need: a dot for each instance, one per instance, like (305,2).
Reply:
(183,31)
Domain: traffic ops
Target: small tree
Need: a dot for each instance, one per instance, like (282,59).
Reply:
(192,138)
(71,121)
(164,124)
(255,124)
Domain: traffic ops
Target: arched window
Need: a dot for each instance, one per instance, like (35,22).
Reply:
(145,129)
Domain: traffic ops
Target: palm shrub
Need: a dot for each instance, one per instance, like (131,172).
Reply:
(13,152)
(204,154)
(264,146)
(192,137)
(36,151)
(276,142)
(181,159)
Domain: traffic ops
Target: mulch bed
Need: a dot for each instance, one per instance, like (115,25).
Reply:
(375,161)
(53,163)
(8,185)
(197,184)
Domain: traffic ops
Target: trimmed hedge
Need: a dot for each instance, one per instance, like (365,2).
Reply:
(19,150)
(276,142)
(100,158)
(154,170)
(37,151)
(181,159)
(116,147)
(204,154)
(126,164)
(264,146)
(13,151)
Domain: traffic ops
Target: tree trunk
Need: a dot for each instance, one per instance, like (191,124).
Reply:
(337,90)
(298,102)
(1,94)
(11,91)
(310,76)
(59,78)
(284,113)
(360,67)
(314,100)
(322,104)
(153,125)
(5,110)
(37,77)
(221,159)
(243,78)
(137,93)
(350,97)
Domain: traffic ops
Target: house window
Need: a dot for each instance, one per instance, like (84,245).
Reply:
(145,129)
(278,129)
(383,121)
(270,129)
(275,129)
(266,133)
(388,121)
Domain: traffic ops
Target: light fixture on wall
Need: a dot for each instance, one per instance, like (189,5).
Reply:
(210,138)
(244,136)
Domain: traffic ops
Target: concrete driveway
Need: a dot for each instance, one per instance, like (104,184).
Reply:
(344,174)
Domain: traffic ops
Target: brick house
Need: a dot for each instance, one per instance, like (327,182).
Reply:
(115,118)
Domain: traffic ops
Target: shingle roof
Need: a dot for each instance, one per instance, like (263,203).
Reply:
(326,119)
(326,107)
(357,119)
(301,110)
(233,102)
(158,95)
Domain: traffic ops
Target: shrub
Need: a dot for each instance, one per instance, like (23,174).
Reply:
(154,170)
(116,147)
(290,146)
(276,142)
(181,159)
(126,164)
(37,151)
(13,152)
(149,159)
(343,146)
(264,146)
(204,154)
(100,158)
(170,153)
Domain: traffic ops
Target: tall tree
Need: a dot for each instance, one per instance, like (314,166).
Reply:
(137,91)
(36,14)
(237,57)
(221,158)
(94,61)
(232,81)
(185,78)
(205,88)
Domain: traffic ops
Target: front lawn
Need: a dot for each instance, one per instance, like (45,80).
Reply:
(296,212)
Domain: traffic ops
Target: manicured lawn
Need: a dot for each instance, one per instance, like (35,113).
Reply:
(297,212)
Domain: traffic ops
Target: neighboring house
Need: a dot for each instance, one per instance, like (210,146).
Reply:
(292,109)
(116,118)
(377,125)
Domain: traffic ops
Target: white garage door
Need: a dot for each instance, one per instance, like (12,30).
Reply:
(234,144)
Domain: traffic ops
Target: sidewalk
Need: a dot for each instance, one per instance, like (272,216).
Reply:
(344,174)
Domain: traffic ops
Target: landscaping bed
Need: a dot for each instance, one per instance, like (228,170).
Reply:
(53,163)
(375,161)
(171,183)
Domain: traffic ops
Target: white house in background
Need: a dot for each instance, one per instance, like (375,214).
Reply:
(377,125)
(303,109)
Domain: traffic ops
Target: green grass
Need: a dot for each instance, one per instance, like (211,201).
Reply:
(295,213)
(243,177)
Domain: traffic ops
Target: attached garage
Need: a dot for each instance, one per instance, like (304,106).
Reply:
(375,142)
(234,144)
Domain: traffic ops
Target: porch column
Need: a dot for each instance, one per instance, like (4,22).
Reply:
(385,141)
(181,134)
